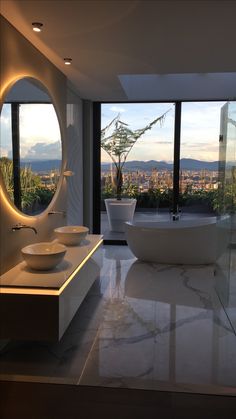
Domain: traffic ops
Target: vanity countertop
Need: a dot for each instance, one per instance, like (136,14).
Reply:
(22,277)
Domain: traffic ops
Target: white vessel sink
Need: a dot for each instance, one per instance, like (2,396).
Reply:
(43,256)
(71,235)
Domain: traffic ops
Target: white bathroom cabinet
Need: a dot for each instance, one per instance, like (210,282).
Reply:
(39,305)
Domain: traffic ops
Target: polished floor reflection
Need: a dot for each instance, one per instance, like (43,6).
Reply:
(141,325)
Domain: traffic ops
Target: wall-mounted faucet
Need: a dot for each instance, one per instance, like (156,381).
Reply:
(20,226)
(57,212)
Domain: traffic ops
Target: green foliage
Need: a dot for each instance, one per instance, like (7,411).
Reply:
(28,199)
(33,194)
(166,198)
(200,197)
(6,166)
(154,198)
(130,190)
(45,195)
(220,200)
(224,201)
(28,180)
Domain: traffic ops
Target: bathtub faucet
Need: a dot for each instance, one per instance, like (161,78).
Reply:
(176,214)
(20,226)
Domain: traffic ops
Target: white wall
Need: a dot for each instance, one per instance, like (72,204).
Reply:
(74,158)
(88,163)
(20,59)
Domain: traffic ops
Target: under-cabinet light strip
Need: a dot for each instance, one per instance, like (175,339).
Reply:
(42,291)
(79,267)
(27,291)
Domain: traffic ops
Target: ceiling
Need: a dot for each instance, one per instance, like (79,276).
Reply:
(114,42)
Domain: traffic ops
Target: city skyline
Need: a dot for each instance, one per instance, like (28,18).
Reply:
(162,180)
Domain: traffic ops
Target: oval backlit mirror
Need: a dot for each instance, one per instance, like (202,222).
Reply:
(30,146)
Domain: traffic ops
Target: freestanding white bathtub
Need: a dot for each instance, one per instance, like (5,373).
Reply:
(197,241)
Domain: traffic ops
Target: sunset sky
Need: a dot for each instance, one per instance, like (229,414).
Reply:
(40,133)
(40,137)
(199,133)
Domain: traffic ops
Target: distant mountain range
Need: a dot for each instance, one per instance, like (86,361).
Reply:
(130,166)
(185,164)
(41,165)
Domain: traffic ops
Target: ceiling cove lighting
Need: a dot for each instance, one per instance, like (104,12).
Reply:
(37,26)
(67,61)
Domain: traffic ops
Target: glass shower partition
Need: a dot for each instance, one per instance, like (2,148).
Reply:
(226,267)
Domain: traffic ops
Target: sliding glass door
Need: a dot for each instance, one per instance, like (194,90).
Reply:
(226,265)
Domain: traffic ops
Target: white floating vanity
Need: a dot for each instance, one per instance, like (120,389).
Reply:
(39,305)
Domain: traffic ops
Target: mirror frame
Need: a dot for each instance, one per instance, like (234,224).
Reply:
(3,191)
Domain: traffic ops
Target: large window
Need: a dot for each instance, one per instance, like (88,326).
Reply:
(148,167)
(172,167)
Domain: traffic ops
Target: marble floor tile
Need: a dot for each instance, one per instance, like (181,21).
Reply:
(142,325)
(56,362)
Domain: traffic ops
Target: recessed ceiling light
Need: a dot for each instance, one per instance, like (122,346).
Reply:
(37,26)
(67,61)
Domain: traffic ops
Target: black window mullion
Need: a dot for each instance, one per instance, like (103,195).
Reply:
(176,157)
(15,107)
(96,167)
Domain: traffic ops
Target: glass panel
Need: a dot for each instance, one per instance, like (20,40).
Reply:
(226,266)
(200,129)
(138,139)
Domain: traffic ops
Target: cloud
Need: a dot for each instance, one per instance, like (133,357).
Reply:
(199,132)
(43,151)
(117,109)
(195,145)
(3,152)
(207,146)
(5,120)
